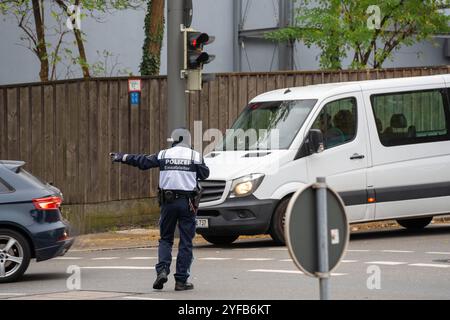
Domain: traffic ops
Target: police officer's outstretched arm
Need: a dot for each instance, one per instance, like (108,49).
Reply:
(142,161)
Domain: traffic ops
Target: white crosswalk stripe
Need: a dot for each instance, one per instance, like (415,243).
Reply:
(430,265)
(214,259)
(288,271)
(119,268)
(256,259)
(443,253)
(387,263)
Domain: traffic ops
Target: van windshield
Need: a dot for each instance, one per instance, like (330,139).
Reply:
(267,125)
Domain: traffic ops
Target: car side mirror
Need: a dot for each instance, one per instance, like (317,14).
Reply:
(315,141)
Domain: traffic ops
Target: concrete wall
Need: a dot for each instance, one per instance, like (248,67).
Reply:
(122,34)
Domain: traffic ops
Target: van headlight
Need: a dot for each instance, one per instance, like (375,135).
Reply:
(246,185)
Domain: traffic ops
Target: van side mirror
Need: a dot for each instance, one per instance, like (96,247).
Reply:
(315,141)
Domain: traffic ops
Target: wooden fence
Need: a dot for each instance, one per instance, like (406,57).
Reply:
(65,130)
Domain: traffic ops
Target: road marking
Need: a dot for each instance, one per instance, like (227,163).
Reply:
(289,271)
(445,253)
(349,261)
(286,260)
(256,259)
(213,259)
(12,294)
(431,265)
(68,258)
(106,258)
(142,258)
(387,263)
(119,268)
(141,298)
(397,251)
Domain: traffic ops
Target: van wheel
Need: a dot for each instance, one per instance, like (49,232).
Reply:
(14,255)
(220,240)
(415,224)
(278,219)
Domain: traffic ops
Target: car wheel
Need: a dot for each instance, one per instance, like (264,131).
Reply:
(278,220)
(415,224)
(220,240)
(14,255)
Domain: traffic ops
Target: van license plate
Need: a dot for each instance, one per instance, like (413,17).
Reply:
(202,223)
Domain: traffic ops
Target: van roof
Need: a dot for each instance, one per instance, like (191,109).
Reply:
(319,91)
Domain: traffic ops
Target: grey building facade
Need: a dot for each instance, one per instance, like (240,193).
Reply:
(239,46)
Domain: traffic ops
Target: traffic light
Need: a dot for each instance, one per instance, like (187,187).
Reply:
(195,57)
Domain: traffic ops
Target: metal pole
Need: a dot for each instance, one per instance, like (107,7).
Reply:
(285,49)
(237,26)
(322,237)
(177,111)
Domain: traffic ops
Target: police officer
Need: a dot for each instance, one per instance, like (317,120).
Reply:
(180,169)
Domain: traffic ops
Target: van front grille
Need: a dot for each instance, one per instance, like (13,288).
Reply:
(212,190)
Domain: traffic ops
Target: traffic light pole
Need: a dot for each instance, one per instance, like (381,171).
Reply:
(177,112)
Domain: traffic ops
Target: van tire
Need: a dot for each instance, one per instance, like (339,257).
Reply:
(415,224)
(220,240)
(278,219)
(21,245)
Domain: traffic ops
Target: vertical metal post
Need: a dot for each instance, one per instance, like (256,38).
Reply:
(177,111)
(285,49)
(237,27)
(322,237)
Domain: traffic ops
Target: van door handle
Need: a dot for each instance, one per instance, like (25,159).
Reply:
(357,157)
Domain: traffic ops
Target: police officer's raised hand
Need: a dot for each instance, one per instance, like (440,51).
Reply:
(117,156)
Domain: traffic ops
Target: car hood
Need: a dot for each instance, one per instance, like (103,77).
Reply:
(229,165)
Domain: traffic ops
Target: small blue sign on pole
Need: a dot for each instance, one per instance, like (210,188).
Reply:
(135,98)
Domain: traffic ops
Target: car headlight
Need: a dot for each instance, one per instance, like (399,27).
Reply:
(246,185)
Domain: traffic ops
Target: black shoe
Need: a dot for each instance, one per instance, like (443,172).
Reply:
(160,280)
(182,286)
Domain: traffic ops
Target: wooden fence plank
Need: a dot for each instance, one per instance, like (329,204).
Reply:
(3,126)
(13,119)
(113,102)
(157,132)
(93,194)
(60,116)
(37,140)
(144,139)
(223,103)
(25,125)
(83,142)
(49,134)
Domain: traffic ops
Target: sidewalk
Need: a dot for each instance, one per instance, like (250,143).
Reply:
(143,238)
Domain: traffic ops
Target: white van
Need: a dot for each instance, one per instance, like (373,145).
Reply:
(383,145)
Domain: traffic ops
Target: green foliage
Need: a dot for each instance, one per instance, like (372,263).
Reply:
(342,27)
(151,61)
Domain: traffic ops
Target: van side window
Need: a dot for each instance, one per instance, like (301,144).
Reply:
(4,188)
(338,122)
(404,118)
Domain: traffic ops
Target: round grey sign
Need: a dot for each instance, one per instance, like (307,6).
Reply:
(301,230)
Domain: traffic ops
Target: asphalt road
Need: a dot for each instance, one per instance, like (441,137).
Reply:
(397,264)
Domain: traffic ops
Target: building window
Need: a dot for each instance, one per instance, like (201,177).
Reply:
(404,118)
(338,122)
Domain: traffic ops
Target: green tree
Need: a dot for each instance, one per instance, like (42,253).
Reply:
(370,30)
(154,33)
(39,32)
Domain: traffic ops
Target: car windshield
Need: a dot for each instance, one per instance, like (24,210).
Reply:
(267,125)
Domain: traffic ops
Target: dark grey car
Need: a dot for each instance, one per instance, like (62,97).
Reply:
(31,225)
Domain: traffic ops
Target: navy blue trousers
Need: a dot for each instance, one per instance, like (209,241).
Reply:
(178,211)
